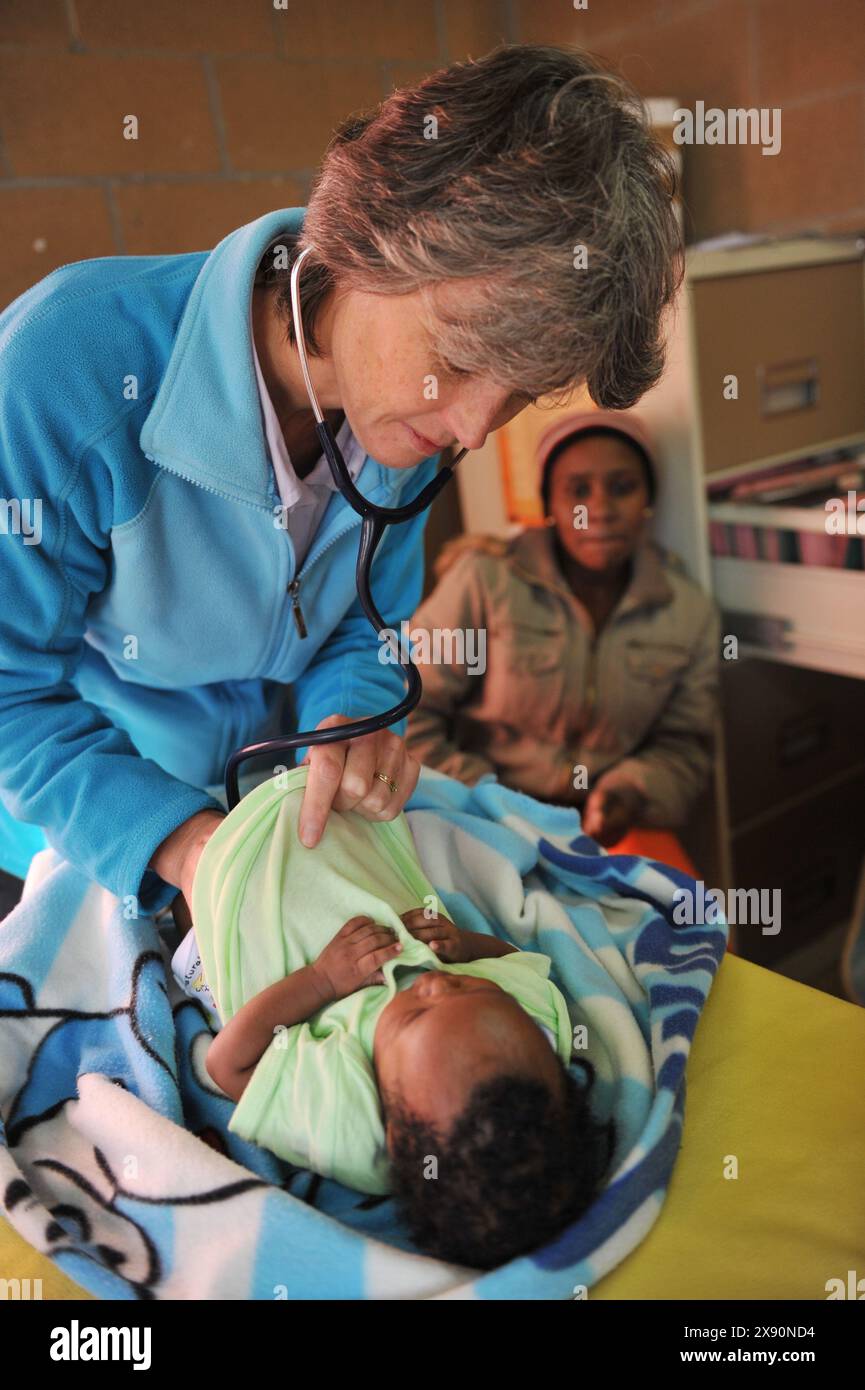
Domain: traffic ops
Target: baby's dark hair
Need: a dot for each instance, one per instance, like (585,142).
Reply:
(516,1167)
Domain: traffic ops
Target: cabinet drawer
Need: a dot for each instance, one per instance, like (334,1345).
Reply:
(795,340)
(786,729)
(813,854)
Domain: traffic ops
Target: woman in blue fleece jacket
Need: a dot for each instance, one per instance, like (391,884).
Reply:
(152,612)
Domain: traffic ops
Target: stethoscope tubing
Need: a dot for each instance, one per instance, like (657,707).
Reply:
(375,520)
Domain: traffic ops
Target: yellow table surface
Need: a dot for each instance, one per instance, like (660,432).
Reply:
(776,1079)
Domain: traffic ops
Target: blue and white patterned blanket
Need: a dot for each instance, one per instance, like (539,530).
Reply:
(115,1158)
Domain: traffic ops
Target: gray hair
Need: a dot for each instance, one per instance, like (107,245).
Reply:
(499,170)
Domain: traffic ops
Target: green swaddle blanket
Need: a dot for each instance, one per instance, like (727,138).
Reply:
(263,906)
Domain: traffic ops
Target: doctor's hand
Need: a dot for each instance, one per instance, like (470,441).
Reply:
(345,777)
(177,857)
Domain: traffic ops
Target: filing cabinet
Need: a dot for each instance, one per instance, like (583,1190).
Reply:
(784,324)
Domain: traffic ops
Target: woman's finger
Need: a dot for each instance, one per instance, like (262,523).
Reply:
(400,768)
(345,776)
(406,778)
(326,762)
(358,773)
(593,813)
(371,756)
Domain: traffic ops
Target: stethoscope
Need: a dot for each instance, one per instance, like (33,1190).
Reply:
(374,521)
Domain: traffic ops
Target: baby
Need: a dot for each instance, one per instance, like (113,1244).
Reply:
(398,1053)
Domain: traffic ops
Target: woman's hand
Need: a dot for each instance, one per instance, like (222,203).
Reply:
(342,776)
(610,812)
(354,957)
(441,935)
(177,857)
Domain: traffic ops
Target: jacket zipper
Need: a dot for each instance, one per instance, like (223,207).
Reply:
(297,611)
(293,587)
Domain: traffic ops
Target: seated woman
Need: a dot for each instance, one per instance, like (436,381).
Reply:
(601,682)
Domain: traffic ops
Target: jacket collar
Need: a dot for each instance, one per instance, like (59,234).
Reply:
(205,423)
(532,551)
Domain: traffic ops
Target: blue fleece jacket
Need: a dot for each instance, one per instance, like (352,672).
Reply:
(146,627)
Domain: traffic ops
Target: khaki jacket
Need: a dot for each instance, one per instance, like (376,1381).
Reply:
(636,705)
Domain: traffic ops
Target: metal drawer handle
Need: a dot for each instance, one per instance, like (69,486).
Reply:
(760,629)
(802,737)
(786,387)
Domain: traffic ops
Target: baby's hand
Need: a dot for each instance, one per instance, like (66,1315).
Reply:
(355,956)
(441,935)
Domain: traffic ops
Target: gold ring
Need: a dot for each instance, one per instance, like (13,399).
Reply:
(383,777)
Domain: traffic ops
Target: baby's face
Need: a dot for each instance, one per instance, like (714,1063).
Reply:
(435,1041)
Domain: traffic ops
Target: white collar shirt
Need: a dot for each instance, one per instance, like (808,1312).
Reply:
(304,500)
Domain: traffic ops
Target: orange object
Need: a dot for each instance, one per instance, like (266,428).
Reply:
(661,845)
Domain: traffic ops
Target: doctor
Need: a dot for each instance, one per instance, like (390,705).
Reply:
(193,560)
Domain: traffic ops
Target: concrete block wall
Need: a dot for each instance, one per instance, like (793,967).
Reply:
(235,101)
